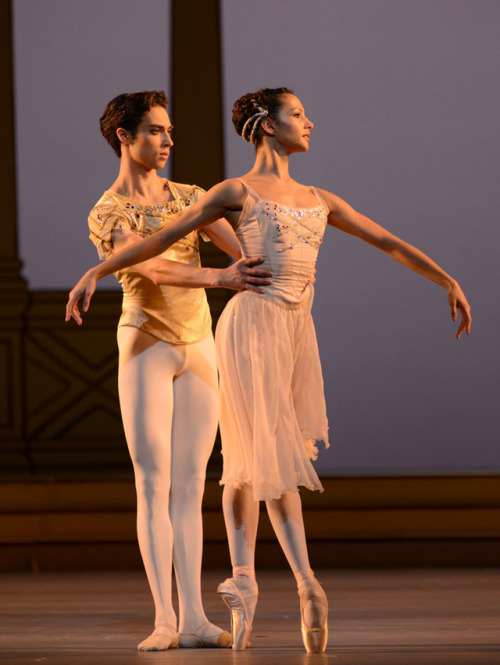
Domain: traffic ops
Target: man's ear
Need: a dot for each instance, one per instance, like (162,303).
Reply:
(123,136)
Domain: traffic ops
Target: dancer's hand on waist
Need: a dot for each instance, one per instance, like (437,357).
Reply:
(245,275)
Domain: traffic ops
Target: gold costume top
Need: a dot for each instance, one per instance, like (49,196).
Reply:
(174,314)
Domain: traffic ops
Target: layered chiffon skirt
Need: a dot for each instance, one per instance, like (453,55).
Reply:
(273,408)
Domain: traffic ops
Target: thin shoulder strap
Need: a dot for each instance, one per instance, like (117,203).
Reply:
(320,198)
(249,189)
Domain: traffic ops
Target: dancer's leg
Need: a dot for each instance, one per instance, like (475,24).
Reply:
(196,410)
(241,514)
(286,518)
(285,514)
(147,368)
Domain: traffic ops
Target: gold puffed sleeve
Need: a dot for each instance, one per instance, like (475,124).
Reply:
(105,218)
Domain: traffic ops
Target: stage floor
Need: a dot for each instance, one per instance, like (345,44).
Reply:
(419,617)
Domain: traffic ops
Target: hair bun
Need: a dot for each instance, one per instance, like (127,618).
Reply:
(250,109)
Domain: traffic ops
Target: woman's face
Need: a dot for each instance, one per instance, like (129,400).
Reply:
(293,128)
(150,147)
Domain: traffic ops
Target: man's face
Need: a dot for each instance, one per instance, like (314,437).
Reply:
(150,147)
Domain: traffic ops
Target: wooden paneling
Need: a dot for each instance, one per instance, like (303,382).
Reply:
(72,411)
(357,522)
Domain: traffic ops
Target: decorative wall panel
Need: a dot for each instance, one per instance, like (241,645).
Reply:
(73,422)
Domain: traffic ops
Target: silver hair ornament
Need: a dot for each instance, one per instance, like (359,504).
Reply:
(256,118)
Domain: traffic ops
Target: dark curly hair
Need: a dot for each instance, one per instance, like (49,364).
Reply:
(250,105)
(127,111)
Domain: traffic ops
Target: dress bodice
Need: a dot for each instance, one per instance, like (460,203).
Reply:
(287,239)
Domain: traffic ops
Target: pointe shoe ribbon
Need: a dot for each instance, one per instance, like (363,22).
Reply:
(241,603)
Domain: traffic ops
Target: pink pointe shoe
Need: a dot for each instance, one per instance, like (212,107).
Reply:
(240,595)
(314,616)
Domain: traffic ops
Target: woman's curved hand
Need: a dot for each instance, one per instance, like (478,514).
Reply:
(85,287)
(458,301)
(244,275)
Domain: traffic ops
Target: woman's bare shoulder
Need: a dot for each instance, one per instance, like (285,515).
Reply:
(229,192)
(334,202)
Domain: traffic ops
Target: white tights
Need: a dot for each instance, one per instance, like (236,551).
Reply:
(169,404)
(241,514)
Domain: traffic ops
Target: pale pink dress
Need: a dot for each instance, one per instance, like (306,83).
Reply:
(273,404)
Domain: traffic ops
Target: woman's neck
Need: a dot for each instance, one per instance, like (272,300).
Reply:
(271,162)
(271,178)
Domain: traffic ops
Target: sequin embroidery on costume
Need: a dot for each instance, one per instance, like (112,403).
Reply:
(104,211)
(137,215)
(302,232)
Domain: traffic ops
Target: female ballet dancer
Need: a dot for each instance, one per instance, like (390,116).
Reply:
(167,367)
(273,408)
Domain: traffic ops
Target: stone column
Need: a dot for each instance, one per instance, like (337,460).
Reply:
(13,287)
(196,107)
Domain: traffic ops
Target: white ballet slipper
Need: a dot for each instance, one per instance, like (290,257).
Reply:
(161,639)
(205,637)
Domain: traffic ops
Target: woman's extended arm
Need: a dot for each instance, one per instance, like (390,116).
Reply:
(243,274)
(207,210)
(345,218)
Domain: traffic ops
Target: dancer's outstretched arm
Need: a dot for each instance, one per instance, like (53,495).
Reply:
(174,273)
(219,200)
(344,217)
(166,271)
